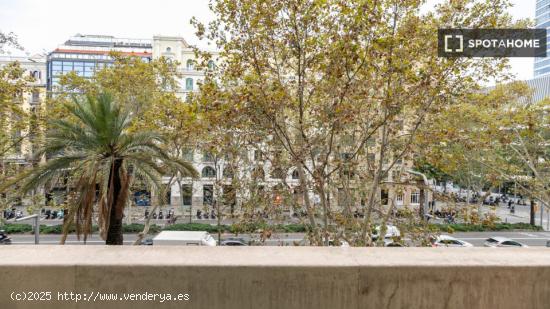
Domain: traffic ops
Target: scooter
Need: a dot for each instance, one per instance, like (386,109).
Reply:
(4,239)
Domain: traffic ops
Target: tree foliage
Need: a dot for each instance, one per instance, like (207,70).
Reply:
(314,81)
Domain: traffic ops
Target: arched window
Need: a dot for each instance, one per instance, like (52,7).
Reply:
(211,65)
(168,49)
(190,64)
(189,84)
(295,174)
(208,172)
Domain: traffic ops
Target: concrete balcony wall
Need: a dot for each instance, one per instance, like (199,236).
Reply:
(281,277)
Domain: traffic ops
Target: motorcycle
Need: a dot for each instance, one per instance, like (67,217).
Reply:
(4,239)
(18,214)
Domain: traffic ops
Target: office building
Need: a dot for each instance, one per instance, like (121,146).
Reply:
(85,54)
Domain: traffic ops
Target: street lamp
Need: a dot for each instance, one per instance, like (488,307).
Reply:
(36,226)
(427,184)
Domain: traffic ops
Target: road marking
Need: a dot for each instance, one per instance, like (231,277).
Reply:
(529,234)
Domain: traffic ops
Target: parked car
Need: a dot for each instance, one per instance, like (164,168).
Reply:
(232,241)
(391,232)
(394,244)
(449,241)
(495,242)
(147,242)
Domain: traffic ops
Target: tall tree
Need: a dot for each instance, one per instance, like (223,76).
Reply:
(101,152)
(322,79)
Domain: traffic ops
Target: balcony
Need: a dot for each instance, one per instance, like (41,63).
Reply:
(279,277)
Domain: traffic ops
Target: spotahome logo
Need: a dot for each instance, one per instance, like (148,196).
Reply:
(492,42)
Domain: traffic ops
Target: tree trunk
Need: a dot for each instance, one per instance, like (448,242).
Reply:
(114,232)
(532,212)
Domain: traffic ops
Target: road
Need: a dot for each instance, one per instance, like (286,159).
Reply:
(533,239)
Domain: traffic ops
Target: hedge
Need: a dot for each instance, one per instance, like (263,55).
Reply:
(195,227)
(254,227)
(485,228)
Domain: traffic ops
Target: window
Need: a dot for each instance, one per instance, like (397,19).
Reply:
(35,96)
(511,243)
(399,197)
(142,198)
(211,65)
(168,49)
(190,64)
(257,155)
(384,197)
(295,174)
(189,84)
(415,197)
(67,66)
(188,155)
(208,194)
(186,195)
(208,172)
(207,157)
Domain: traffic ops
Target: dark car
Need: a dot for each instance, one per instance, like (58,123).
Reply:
(233,242)
(147,242)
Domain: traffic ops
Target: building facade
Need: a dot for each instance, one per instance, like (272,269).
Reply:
(30,100)
(85,54)
(542,21)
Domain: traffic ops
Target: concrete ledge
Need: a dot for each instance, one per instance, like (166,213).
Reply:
(279,277)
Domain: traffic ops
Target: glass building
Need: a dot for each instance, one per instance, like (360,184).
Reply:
(542,15)
(86,54)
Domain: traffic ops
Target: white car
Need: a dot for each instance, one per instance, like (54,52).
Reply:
(391,232)
(496,242)
(449,241)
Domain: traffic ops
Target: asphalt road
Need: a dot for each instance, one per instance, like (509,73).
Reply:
(533,239)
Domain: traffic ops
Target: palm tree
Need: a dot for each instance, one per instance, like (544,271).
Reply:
(96,147)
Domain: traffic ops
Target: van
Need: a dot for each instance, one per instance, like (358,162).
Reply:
(184,238)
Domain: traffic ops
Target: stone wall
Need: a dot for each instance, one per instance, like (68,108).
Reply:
(278,277)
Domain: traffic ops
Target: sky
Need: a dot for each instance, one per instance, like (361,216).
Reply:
(42,25)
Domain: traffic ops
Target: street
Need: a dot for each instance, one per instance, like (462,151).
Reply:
(534,239)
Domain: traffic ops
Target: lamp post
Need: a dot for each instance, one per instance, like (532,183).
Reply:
(427,184)
(36,227)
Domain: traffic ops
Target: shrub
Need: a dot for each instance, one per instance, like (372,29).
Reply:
(460,227)
(292,228)
(138,228)
(195,227)
(16,228)
(58,229)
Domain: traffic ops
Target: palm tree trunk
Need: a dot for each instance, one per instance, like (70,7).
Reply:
(114,232)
